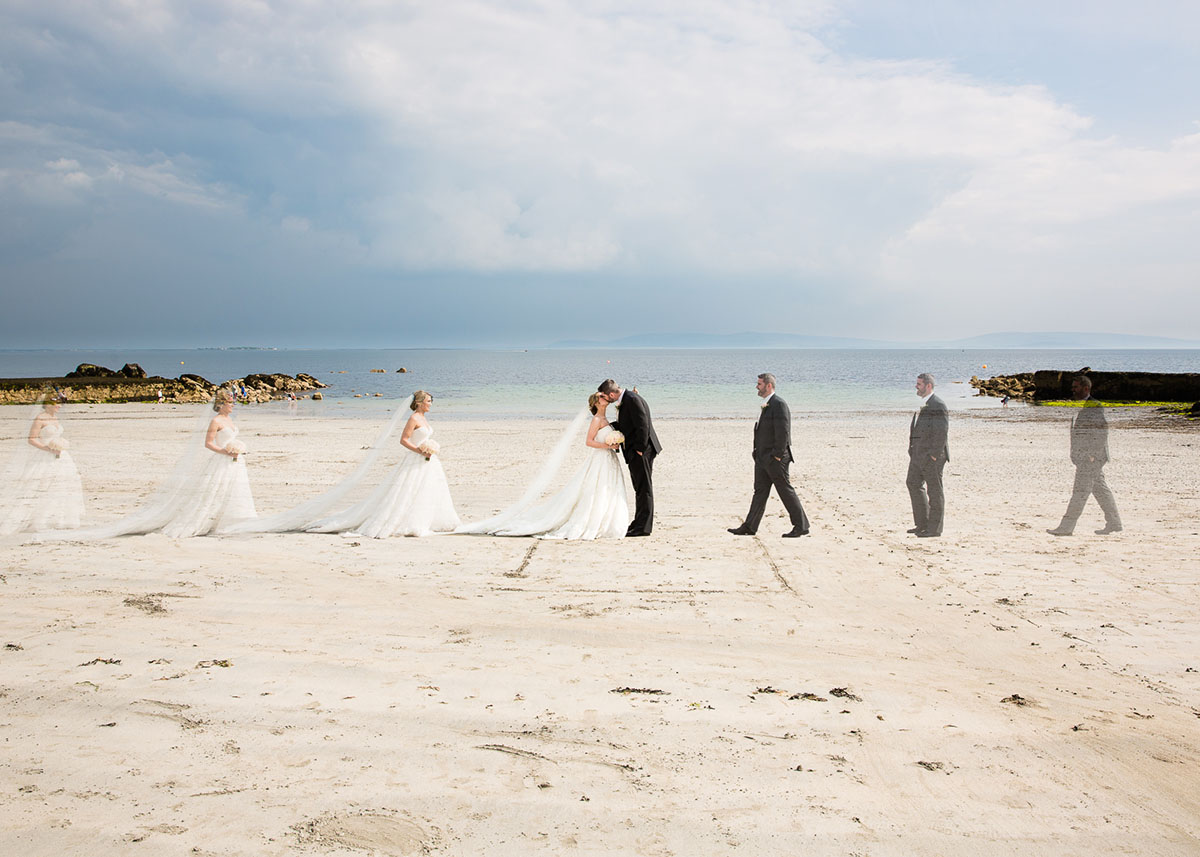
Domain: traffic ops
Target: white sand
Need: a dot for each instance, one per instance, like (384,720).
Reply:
(455,695)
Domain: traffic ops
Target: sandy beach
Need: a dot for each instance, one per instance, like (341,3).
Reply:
(855,692)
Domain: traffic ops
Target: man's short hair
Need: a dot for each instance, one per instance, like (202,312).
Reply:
(927,378)
(608,385)
(768,378)
(1084,381)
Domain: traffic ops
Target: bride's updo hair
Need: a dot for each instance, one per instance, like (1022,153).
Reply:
(593,400)
(221,398)
(418,397)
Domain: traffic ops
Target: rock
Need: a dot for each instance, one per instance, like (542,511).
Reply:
(90,383)
(1055,384)
(378,370)
(90,370)
(401,370)
(317,396)
(1014,386)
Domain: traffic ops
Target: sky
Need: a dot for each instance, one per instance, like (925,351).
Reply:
(400,174)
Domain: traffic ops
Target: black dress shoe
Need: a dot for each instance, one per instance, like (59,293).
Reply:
(913,530)
(795,533)
(741,531)
(1108,529)
(925,534)
(635,535)
(1059,531)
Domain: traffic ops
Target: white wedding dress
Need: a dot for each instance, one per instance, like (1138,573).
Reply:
(413,501)
(207,492)
(592,505)
(46,493)
(220,495)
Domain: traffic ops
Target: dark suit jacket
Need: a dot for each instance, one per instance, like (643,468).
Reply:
(633,421)
(1089,435)
(773,431)
(928,435)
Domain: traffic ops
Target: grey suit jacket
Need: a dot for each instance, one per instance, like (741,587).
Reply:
(928,436)
(773,431)
(1089,435)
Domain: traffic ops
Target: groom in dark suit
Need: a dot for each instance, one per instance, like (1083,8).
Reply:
(640,447)
(928,452)
(772,455)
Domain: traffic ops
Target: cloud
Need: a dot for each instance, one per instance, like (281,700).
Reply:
(657,142)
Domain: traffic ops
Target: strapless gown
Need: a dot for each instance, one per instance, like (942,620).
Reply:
(47,493)
(592,505)
(219,495)
(414,500)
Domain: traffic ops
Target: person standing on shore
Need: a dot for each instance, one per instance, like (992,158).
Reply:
(639,449)
(772,453)
(1089,454)
(928,452)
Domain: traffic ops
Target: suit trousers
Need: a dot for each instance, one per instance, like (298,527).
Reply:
(767,473)
(1089,481)
(925,490)
(641,472)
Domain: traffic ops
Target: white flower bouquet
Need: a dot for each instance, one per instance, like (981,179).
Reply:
(429,449)
(615,438)
(235,448)
(57,445)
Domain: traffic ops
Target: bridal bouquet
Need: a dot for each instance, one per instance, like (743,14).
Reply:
(57,445)
(429,449)
(236,447)
(615,438)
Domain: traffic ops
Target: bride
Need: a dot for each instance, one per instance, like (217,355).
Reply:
(207,492)
(42,490)
(592,505)
(414,500)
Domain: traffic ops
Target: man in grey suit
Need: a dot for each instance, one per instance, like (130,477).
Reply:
(772,454)
(1089,454)
(928,452)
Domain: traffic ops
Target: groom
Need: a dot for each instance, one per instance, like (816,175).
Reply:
(640,446)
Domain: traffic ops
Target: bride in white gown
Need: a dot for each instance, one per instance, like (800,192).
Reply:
(207,492)
(42,490)
(592,505)
(414,500)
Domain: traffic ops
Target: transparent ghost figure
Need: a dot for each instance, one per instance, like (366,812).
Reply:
(41,489)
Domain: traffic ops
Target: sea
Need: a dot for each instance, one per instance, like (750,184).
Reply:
(552,383)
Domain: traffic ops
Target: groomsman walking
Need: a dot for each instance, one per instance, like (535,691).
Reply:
(928,452)
(1089,454)
(772,453)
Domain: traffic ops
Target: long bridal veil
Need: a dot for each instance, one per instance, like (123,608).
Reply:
(175,494)
(301,516)
(545,476)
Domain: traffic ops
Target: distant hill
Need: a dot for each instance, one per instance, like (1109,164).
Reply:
(1062,339)
(727,340)
(1010,339)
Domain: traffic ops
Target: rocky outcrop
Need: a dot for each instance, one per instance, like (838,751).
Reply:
(91,383)
(1014,386)
(1055,384)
